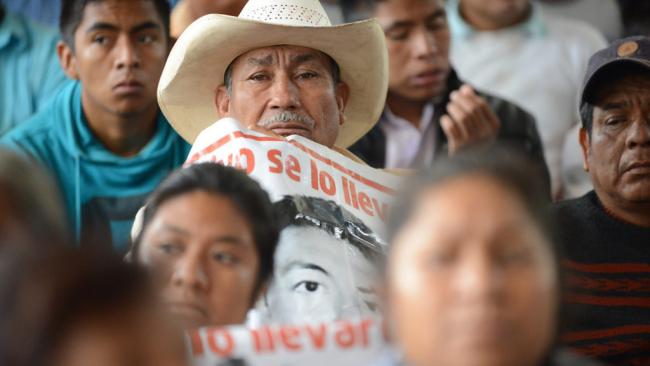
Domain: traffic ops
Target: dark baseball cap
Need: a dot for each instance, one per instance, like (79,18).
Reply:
(620,53)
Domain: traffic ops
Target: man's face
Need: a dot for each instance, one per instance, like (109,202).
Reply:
(285,89)
(318,278)
(119,53)
(202,249)
(617,152)
(417,37)
(469,276)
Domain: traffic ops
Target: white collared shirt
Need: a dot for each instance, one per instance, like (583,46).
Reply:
(408,146)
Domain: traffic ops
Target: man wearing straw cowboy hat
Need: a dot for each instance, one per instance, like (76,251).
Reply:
(280,67)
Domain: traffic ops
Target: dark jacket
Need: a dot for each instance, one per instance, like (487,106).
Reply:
(518,131)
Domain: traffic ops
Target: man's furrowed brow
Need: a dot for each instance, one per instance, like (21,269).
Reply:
(302,58)
(144,26)
(264,61)
(101,26)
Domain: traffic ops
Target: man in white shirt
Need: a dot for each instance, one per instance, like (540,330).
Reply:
(514,50)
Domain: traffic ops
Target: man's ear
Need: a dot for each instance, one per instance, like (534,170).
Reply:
(67,60)
(222,101)
(584,143)
(342,93)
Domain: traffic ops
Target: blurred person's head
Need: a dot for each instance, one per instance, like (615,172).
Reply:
(615,138)
(489,15)
(417,36)
(117,49)
(209,234)
(472,277)
(325,264)
(199,8)
(31,210)
(79,307)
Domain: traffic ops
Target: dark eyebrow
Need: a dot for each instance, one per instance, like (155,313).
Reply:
(224,239)
(266,61)
(438,13)
(299,59)
(306,265)
(113,27)
(614,105)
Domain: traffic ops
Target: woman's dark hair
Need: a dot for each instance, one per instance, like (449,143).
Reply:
(43,295)
(34,203)
(72,12)
(247,195)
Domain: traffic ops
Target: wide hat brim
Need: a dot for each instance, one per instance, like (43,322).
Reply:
(198,61)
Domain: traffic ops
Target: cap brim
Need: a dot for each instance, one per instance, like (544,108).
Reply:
(198,61)
(603,69)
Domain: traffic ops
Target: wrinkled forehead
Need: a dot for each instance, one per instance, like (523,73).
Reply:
(273,55)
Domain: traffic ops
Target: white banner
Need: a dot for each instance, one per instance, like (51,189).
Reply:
(298,166)
(343,343)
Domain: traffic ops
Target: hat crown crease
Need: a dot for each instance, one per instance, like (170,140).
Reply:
(296,13)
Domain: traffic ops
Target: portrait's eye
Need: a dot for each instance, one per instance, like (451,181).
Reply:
(306,286)
(307,75)
(100,39)
(146,38)
(398,34)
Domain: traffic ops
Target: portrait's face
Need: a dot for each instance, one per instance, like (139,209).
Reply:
(120,48)
(417,37)
(201,248)
(617,152)
(140,335)
(471,279)
(288,90)
(318,278)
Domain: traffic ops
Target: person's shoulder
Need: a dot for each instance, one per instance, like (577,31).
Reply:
(565,357)
(34,136)
(575,208)
(512,116)
(574,33)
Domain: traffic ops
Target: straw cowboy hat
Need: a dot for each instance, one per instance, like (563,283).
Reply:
(198,61)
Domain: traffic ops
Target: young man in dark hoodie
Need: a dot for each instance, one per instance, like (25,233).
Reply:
(103,136)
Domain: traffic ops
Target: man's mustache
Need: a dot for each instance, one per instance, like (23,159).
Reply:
(288,116)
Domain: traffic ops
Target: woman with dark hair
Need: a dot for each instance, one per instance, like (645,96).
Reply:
(209,233)
(472,276)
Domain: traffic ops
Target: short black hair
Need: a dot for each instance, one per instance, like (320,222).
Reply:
(336,221)
(356,10)
(334,69)
(247,195)
(607,76)
(72,12)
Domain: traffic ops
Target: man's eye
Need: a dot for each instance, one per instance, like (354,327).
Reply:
(307,75)
(146,38)
(613,121)
(397,34)
(258,77)
(307,286)
(225,258)
(100,40)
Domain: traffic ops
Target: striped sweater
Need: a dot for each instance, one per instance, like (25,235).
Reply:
(607,266)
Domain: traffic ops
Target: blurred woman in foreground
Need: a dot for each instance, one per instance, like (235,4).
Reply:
(473,276)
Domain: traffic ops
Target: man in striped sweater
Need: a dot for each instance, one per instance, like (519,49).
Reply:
(606,233)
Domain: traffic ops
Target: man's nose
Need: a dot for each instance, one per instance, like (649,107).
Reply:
(639,133)
(127,53)
(477,279)
(285,94)
(424,44)
(189,271)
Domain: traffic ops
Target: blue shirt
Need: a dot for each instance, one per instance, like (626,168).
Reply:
(30,72)
(102,191)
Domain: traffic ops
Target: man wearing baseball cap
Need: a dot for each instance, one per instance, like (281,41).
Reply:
(606,233)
